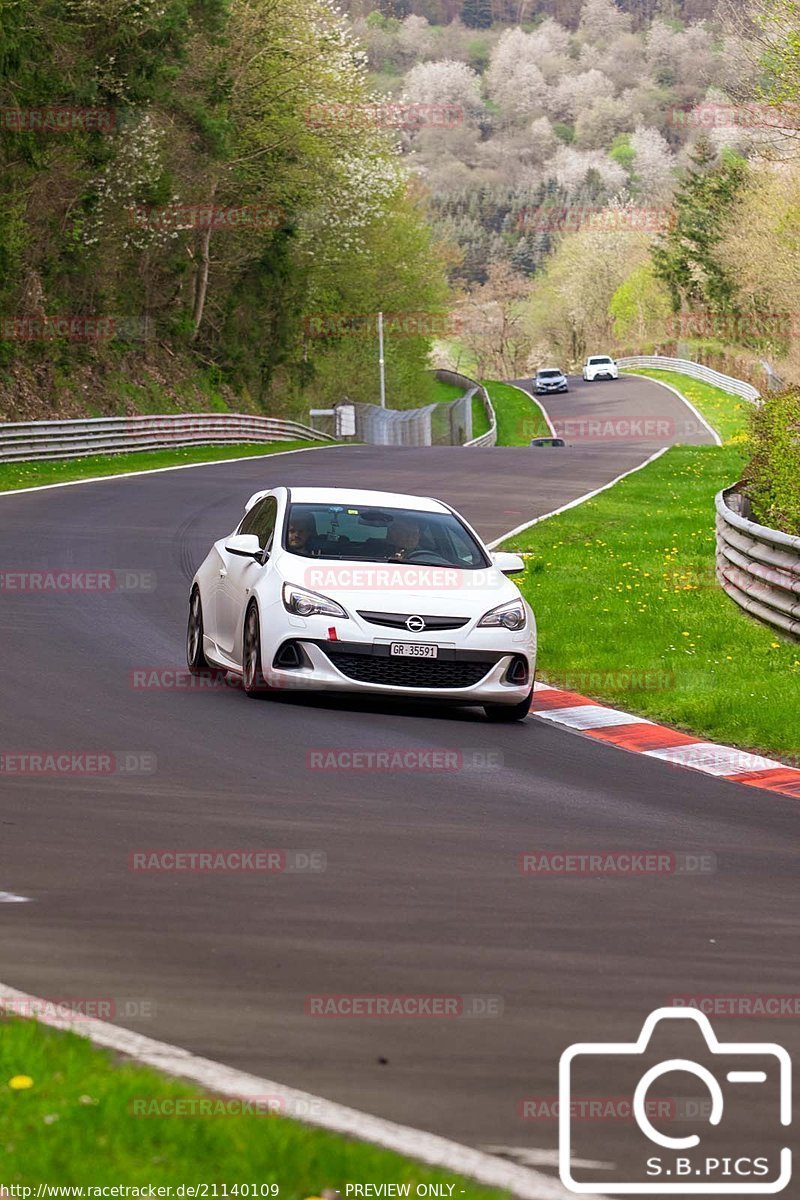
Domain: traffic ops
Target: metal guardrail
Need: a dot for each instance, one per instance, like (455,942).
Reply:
(738,387)
(490,437)
(23,441)
(394,426)
(759,568)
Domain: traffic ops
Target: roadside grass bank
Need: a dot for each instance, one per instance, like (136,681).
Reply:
(519,417)
(443,393)
(85,1118)
(32,474)
(629,609)
(480,419)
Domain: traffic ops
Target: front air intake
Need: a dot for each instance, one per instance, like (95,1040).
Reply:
(517,672)
(290,657)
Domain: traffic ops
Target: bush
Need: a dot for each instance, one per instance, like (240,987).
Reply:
(773,475)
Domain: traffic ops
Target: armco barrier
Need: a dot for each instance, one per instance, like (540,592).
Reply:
(758,567)
(490,437)
(25,440)
(682,366)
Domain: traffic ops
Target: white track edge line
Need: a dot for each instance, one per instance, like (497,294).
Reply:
(580,500)
(216,1077)
(676,392)
(213,462)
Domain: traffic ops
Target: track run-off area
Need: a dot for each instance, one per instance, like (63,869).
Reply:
(421,892)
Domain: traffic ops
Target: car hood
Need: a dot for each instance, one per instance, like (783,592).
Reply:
(401,587)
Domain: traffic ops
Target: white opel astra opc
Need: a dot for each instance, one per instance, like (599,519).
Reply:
(338,590)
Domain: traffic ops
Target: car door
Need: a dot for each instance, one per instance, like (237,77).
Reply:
(238,576)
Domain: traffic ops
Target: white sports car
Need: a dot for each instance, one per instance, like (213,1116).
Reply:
(338,590)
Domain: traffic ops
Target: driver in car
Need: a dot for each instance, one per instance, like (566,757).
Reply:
(402,538)
(301,536)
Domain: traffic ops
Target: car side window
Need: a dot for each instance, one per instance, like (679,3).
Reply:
(261,520)
(264,526)
(248,524)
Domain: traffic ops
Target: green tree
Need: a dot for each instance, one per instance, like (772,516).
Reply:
(477,14)
(685,256)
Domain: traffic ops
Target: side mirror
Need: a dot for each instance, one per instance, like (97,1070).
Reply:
(244,545)
(509,564)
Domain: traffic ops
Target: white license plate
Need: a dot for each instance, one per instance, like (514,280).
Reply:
(414,650)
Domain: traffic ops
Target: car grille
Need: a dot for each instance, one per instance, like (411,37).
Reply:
(398,620)
(410,672)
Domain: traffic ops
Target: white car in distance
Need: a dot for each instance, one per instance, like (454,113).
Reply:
(600,366)
(340,590)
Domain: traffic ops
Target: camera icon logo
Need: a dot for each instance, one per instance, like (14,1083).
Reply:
(725,1158)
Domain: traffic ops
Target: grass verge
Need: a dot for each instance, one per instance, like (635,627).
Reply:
(519,417)
(480,419)
(86,1119)
(34,474)
(649,629)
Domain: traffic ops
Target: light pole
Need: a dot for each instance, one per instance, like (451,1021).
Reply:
(380,359)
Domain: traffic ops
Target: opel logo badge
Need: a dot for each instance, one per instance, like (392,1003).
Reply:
(415,624)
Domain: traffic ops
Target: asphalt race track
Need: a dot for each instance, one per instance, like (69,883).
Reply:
(422,893)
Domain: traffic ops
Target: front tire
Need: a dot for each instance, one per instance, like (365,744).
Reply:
(253,679)
(507,713)
(195,658)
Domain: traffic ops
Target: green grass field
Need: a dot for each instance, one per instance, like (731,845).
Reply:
(480,420)
(629,610)
(34,474)
(85,1118)
(519,417)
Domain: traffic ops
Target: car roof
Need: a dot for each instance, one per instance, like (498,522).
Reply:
(333,495)
(547,370)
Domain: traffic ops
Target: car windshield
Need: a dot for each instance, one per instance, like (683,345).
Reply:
(605,359)
(549,374)
(361,533)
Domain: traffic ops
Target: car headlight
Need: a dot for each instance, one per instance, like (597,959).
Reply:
(509,616)
(305,603)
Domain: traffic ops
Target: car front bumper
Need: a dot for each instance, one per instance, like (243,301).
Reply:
(322,672)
